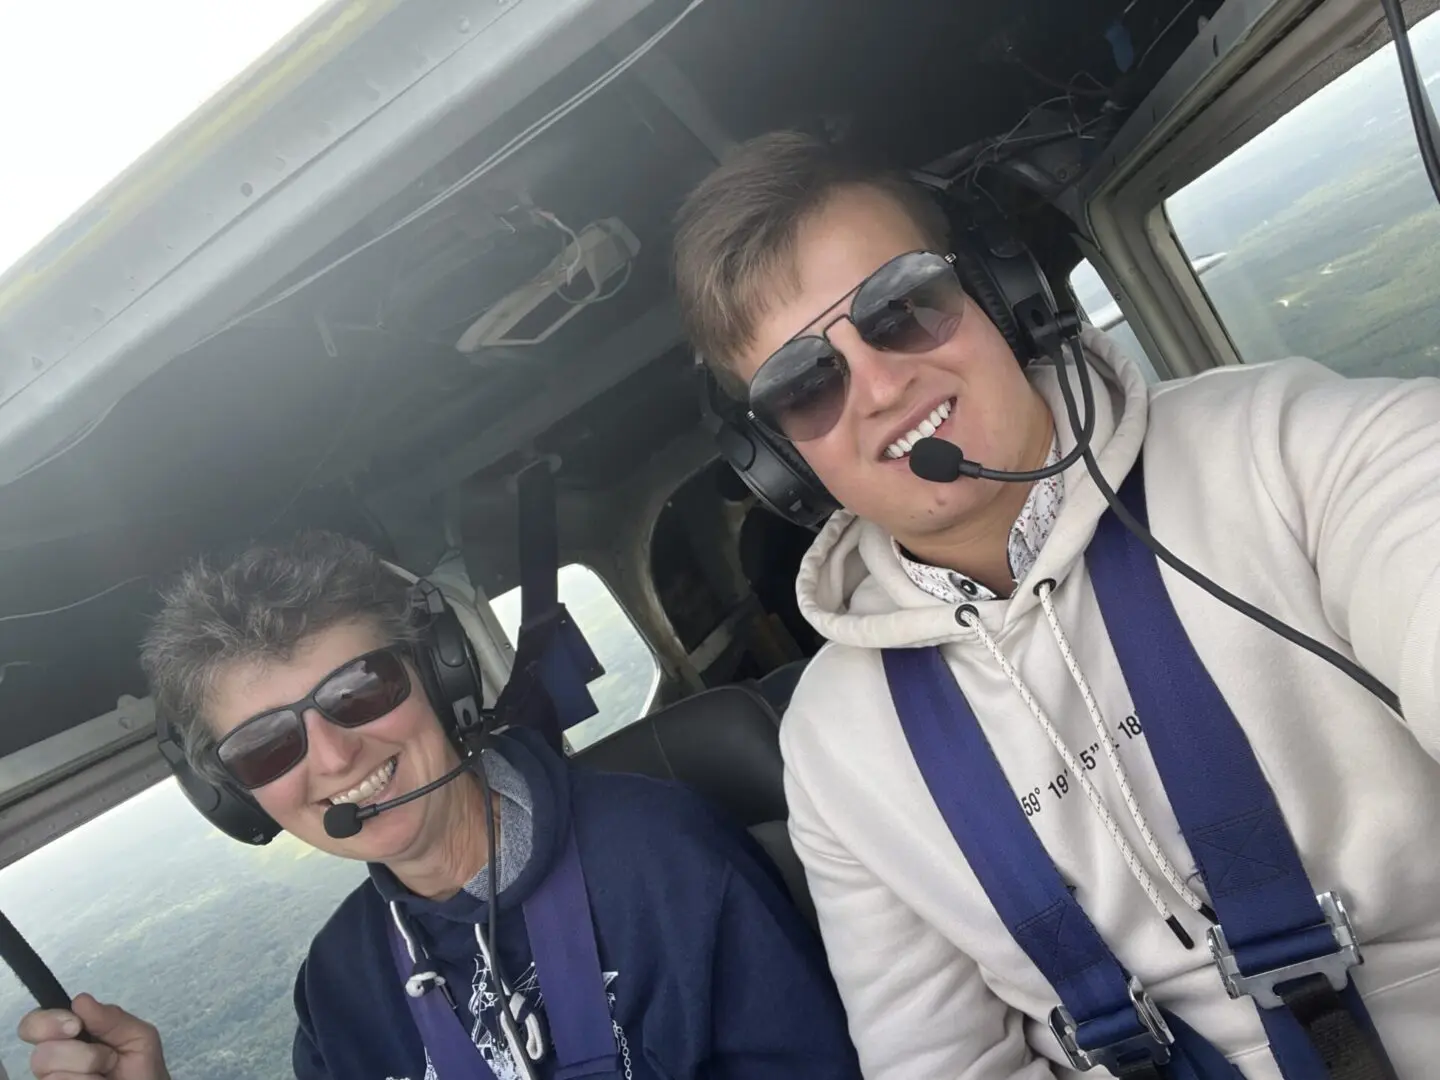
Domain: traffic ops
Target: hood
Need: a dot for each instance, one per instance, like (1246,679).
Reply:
(854,591)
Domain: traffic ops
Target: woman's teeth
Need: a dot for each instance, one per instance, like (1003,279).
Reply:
(372,785)
(902,446)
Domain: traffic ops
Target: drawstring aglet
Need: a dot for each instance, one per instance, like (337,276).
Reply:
(1180,932)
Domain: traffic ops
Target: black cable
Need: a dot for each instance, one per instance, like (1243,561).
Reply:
(1421,112)
(1082,444)
(1270,622)
(493,871)
(508,1019)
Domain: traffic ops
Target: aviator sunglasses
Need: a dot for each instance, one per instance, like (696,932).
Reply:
(266,747)
(910,305)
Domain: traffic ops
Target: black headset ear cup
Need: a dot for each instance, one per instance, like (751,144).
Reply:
(997,269)
(816,501)
(449,669)
(770,467)
(226,806)
(779,477)
(792,458)
(980,284)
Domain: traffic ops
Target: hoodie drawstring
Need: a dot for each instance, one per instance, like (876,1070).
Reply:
(1122,780)
(534,1048)
(425,977)
(420,980)
(968,617)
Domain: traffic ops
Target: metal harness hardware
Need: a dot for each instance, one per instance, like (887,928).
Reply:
(1150,1047)
(1260,985)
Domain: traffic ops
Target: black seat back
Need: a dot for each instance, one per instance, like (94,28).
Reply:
(725,744)
(779,685)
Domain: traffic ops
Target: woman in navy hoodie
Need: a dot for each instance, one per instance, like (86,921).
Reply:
(292,675)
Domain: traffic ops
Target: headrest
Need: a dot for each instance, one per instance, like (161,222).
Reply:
(723,742)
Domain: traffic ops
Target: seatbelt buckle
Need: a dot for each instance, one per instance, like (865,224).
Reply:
(1260,985)
(1151,1046)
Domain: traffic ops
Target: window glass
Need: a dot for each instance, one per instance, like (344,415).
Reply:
(624,693)
(1103,312)
(150,908)
(81,107)
(1328,228)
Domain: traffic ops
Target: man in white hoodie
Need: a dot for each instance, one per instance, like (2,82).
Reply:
(1314,497)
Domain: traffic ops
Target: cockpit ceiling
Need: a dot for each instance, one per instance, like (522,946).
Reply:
(358,374)
(353,389)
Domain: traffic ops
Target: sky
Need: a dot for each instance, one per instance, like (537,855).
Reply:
(87,86)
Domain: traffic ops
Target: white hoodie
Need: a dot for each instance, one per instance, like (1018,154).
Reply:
(1316,498)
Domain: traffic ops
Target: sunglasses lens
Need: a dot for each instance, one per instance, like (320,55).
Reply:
(264,749)
(800,390)
(364,690)
(910,305)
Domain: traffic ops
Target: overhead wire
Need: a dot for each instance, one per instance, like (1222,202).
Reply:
(515,144)
(504,153)
(993,152)
(75,603)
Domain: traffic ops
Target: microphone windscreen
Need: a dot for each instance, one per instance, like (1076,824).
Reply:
(936,460)
(342,821)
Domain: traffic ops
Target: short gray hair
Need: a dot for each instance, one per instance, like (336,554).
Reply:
(260,607)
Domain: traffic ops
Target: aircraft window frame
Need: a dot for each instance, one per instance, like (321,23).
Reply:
(506,607)
(1104,313)
(1364,211)
(1251,64)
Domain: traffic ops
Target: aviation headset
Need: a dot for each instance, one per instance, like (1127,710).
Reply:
(997,271)
(449,674)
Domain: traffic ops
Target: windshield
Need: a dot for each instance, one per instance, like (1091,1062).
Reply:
(87,87)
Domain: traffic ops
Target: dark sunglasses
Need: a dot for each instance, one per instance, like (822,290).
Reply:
(912,304)
(266,747)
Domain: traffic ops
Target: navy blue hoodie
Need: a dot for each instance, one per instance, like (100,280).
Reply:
(711,972)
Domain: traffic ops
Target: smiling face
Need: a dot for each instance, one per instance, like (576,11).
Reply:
(969,391)
(397,753)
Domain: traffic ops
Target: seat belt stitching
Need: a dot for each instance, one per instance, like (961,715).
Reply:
(1045,929)
(1223,838)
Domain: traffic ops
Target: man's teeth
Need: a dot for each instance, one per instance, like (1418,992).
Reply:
(902,446)
(367,787)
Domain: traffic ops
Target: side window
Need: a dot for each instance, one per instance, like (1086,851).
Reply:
(1324,231)
(151,908)
(1102,311)
(632,675)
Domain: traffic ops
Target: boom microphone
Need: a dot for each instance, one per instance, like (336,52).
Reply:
(344,820)
(940,462)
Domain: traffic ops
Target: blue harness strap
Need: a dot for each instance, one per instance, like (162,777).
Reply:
(567,965)
(1105,1018)
(448,1048)
(549,685)
(1277,942)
